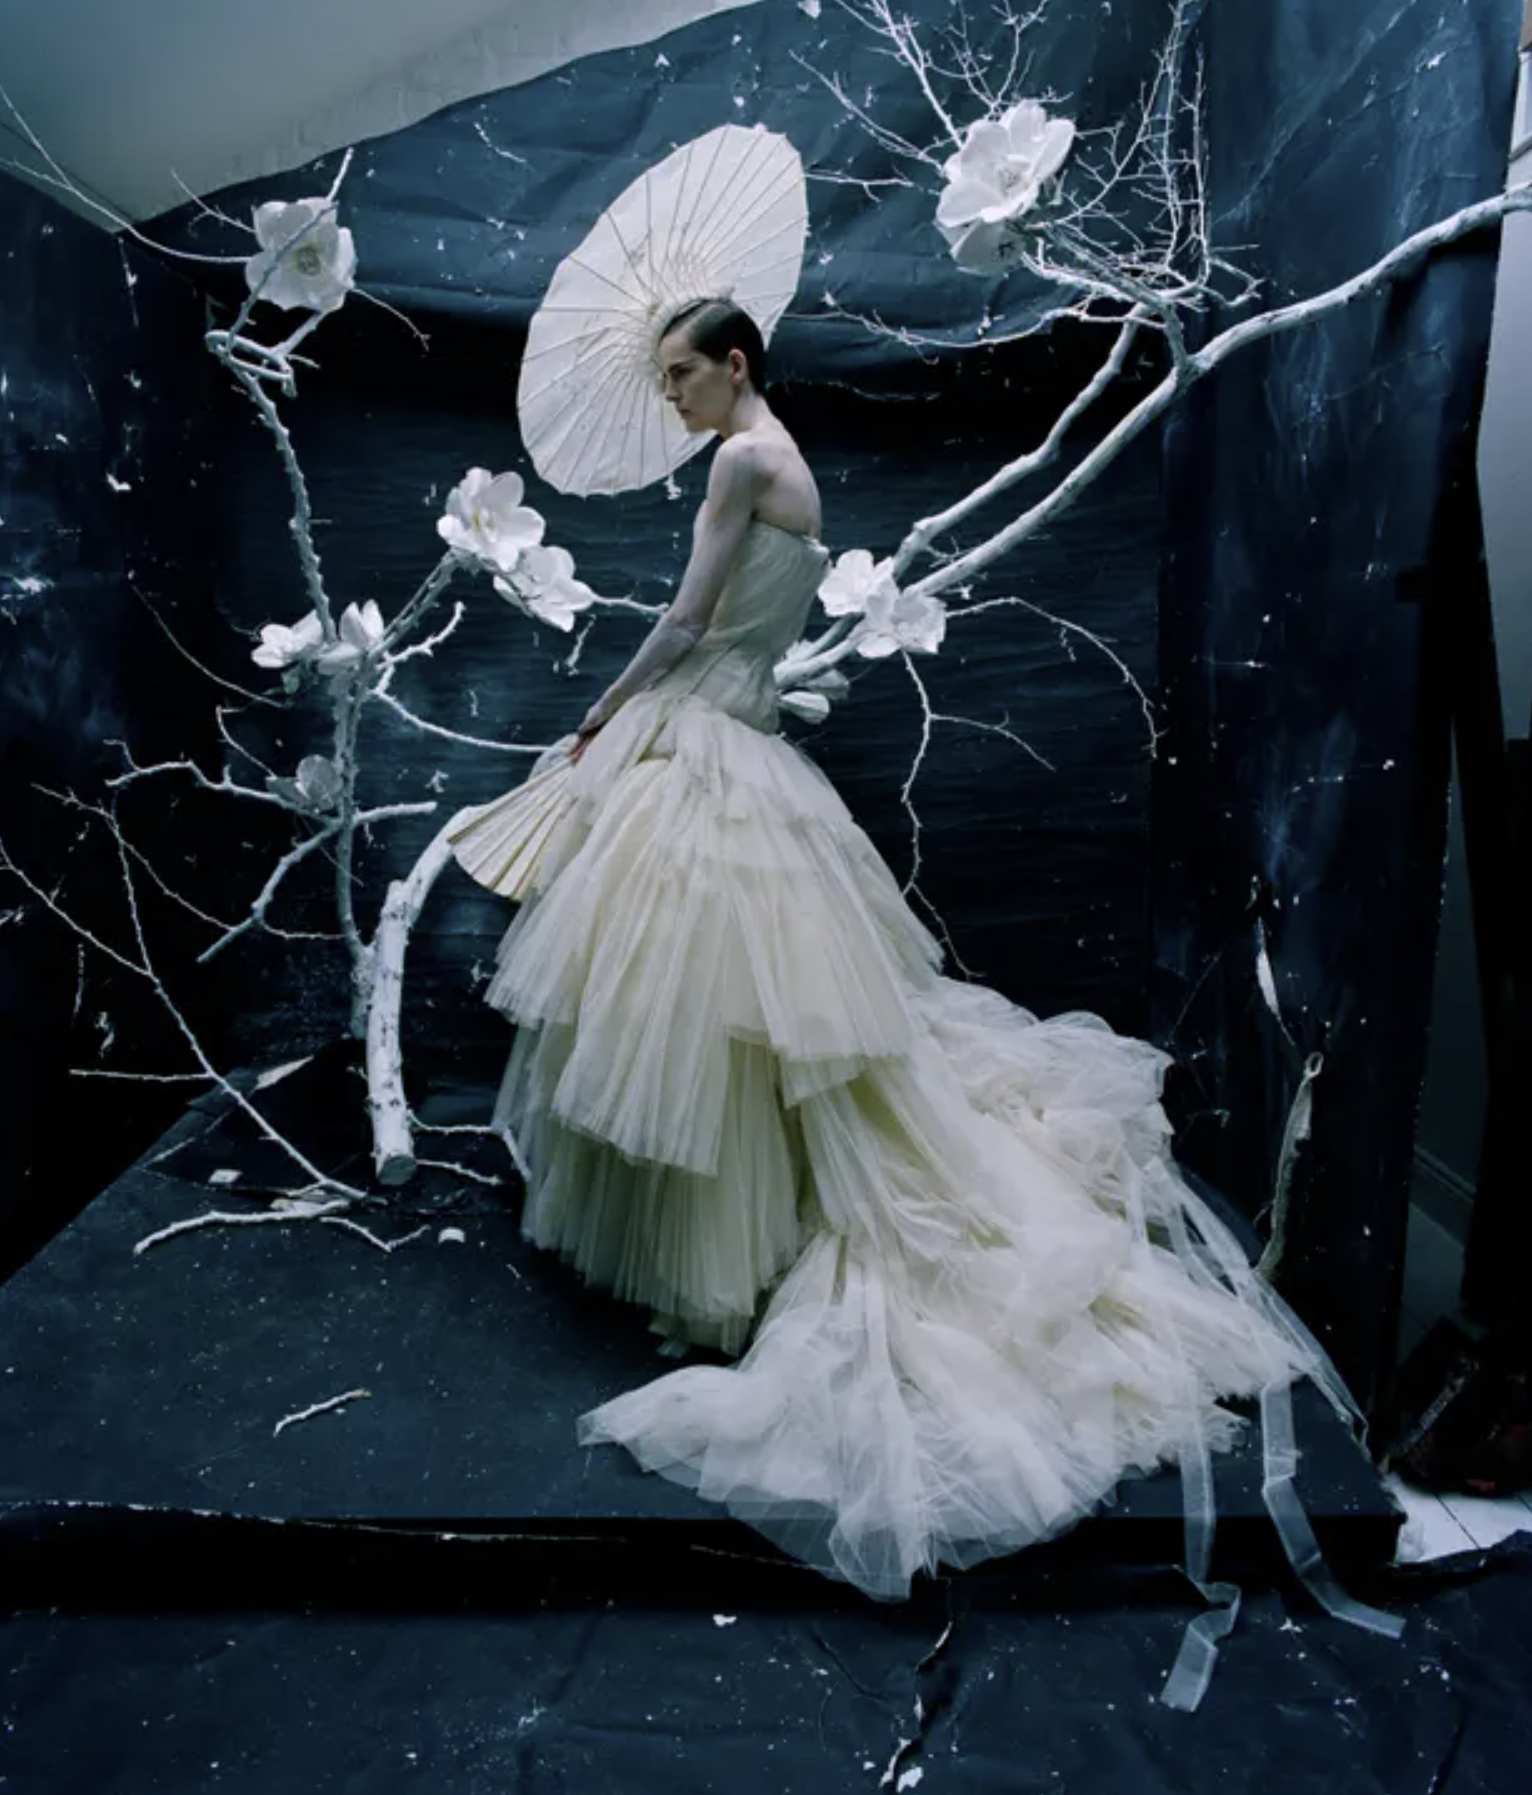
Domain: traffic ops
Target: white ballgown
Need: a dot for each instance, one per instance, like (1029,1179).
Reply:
(976,1292)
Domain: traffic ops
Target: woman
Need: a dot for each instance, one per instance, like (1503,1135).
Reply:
(739,1077)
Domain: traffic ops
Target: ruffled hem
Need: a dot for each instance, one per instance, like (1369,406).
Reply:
(697,1250)
(1015,1302)
(718,892)
(878,1430)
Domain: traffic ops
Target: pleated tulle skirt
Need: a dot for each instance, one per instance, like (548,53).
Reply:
(973,1290)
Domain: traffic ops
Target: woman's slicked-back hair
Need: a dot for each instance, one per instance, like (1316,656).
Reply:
(715,326)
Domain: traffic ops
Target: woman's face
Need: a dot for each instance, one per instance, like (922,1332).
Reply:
(704,392)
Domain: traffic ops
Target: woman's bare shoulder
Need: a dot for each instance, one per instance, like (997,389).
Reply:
(786,493)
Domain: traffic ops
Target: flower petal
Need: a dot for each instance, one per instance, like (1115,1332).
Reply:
(338,657)
(522,527)
(843,591)
(964,199)
(813,707)
(372,623)
(269,220)
(1025,120)
(551,608)
(876,646)
(1058,140)
(539,565)
(308,632)
(989,139)
(505,491)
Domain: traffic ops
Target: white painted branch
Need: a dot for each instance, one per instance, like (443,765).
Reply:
(901,33)
(1382,273)
(327,1407)
(880,134)
(235,745)
(186,655)
(394,658)
(911,885)
(225,785)
(1100,644)
(416,606)
(140,1077)
(461,1171)
(72,802)
(964,568)
(375,1240)
(476,1128)
(257,916)
(301,524)
(349,697)
(143,968)
(439,730)
(393,1147)
(255,1218)
(929,528)
(59,177)
(363,819)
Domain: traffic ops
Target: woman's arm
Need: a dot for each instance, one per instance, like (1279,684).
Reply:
(731,493)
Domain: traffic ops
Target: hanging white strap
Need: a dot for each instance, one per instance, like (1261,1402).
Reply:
(1193,1669)
(1280,1494)
(1300,1119)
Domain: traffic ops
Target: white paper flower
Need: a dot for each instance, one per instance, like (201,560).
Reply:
(485,520)
(813,707)
(849,586)
(359,632)
(900,620)
(995,179)
(831,681)
(283,646)
(306,262)
(315,786)
(545,585)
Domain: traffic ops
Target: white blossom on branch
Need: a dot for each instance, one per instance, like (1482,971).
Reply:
(289,645)
(306,260)
(544,585)
(898,622)
(486,523)
(812,707)
(1000,175)
(359,635)
(853,581)
(315,786)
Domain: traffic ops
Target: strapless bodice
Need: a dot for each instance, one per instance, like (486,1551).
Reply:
(759,615)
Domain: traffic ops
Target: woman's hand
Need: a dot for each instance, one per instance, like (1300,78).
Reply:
(583,739)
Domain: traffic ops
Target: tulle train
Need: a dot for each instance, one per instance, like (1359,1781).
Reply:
(979,1291)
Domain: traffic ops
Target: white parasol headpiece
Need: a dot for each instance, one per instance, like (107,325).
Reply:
(724,216)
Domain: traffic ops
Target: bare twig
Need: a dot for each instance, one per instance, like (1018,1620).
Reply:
(327,1407)
(239,1218)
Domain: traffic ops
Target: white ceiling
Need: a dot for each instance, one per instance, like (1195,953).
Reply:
(129,95)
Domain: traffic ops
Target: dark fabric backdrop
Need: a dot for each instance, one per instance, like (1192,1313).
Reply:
(105,491)
(1302,792)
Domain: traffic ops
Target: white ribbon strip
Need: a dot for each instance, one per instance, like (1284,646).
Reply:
(1299,1121)
(1280,1494)
(1193,1669)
